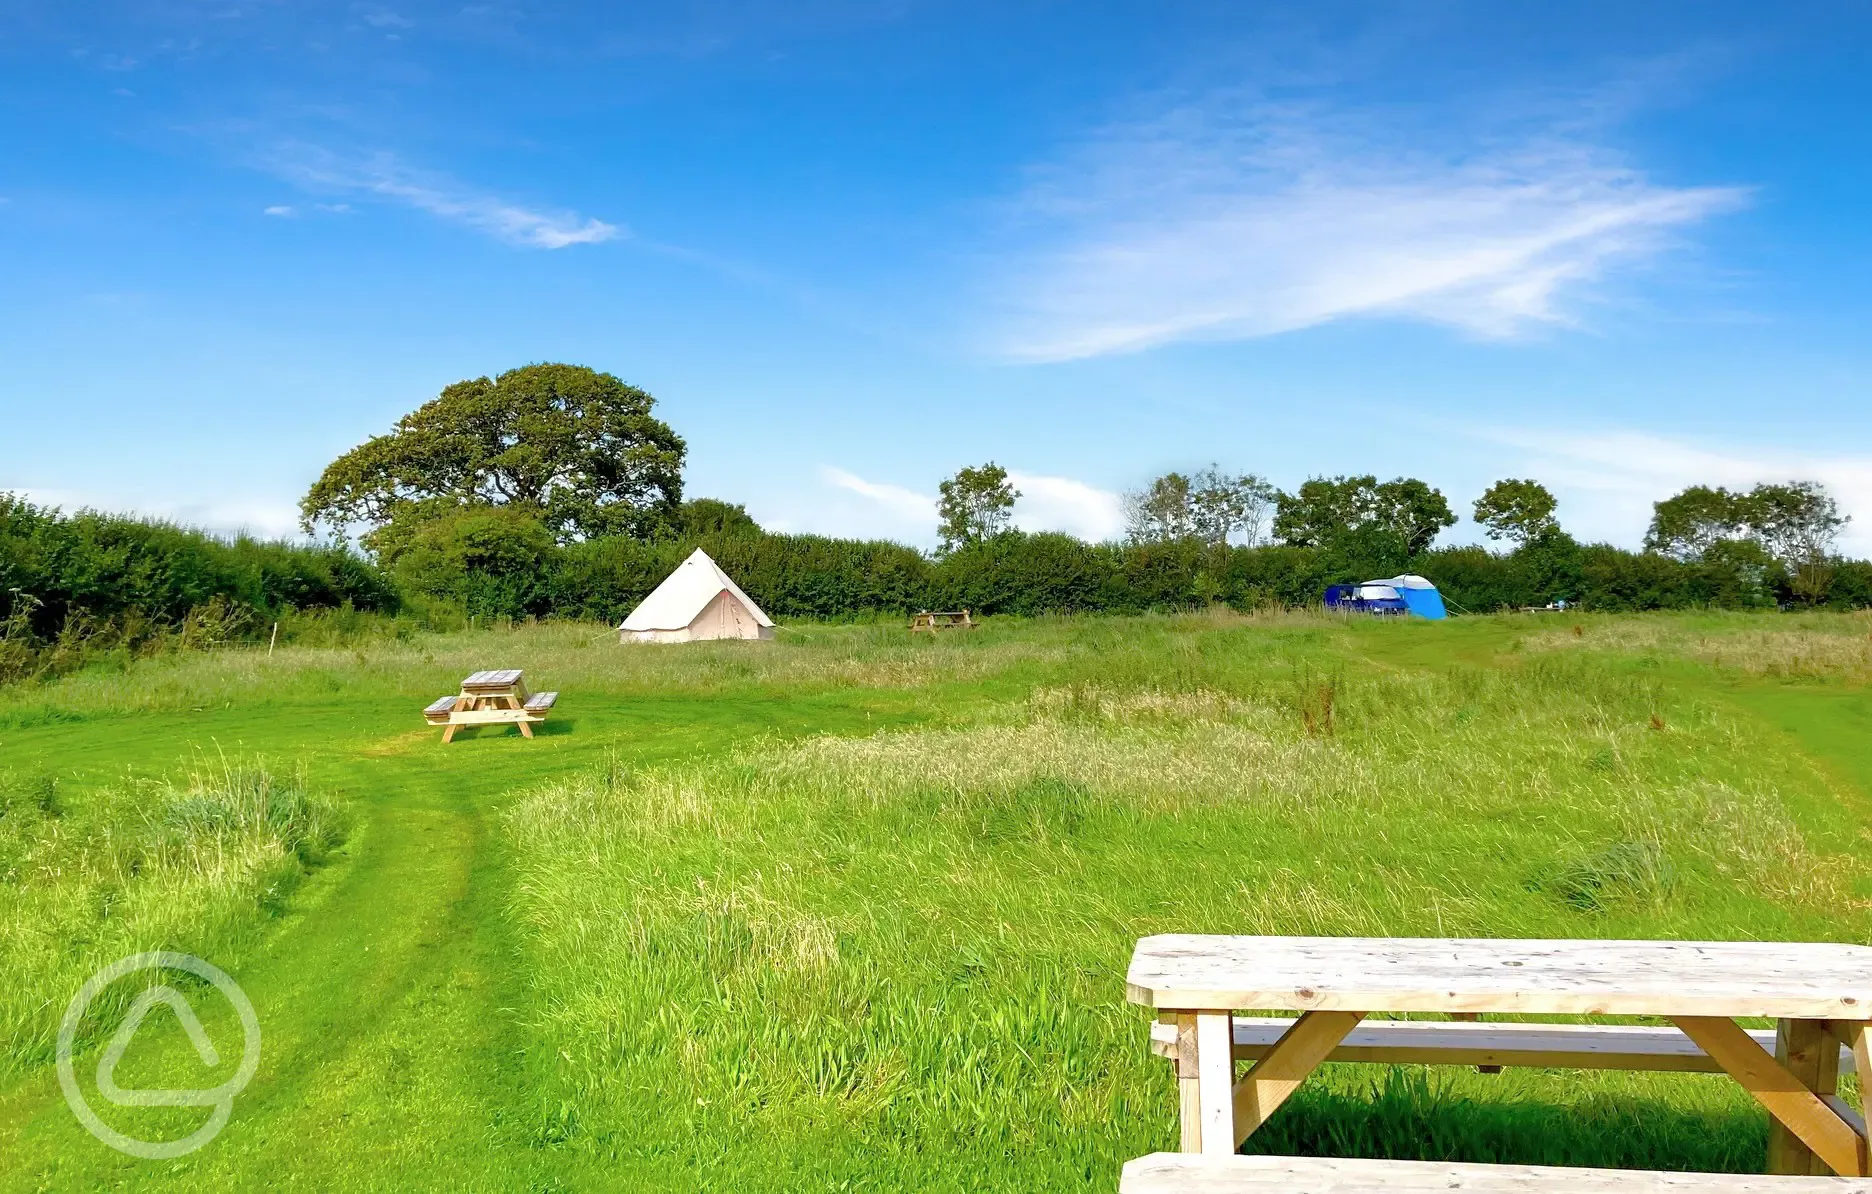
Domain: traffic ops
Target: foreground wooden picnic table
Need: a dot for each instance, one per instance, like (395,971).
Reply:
(1185,1173)
(1820,995)
(493,697)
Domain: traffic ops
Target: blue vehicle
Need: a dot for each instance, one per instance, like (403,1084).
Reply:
(1396,596)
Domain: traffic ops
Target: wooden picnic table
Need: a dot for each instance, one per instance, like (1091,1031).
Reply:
(958,619)
(1820,996)
(494,697)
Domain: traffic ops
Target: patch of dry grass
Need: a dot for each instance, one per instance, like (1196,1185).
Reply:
(564,656)
(1789,647)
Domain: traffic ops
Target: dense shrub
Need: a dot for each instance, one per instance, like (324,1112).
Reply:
(1022,574)
(794,576)
(790,576)
(492,561)
(76,584)
(103,566)
(1852,585)
(93,578)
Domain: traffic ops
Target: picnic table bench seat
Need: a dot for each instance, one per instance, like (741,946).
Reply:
(1660,1048)
(540,702)
(437,712)
(1192,1173)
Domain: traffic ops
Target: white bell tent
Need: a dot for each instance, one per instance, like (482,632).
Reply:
(697,601)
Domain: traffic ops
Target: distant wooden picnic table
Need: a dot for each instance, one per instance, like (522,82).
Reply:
(497,697)
(1820,995)
(958,619)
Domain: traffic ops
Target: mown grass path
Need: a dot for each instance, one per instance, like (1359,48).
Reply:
(390,1058)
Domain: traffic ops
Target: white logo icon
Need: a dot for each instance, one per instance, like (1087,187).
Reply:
(221,1097)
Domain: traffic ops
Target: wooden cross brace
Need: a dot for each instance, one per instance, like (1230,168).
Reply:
(1803,1103)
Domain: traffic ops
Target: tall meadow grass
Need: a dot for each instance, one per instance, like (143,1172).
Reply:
(185,865)
(900,958)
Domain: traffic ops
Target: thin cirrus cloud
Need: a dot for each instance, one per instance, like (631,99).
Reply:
(385,176)
(1045,504)
(261,517)
(1226,220)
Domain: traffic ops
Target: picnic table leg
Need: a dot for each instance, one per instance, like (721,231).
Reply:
(1826,1085)
(1798,1047)
(1205,1074)
(1218,1113)
(1787,1091)
(513,702)
(1857,1036)
(465,705)
(1215,1082)
(1189,1104)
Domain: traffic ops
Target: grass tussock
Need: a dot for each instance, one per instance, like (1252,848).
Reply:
(859,953)
(181,865)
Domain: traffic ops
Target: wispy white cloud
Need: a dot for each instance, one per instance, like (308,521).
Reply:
(384,175)
(1228,219)
(1063,504)
(1607,481)
(261,517)
(1045,504)
(907,504)
(383,18)
(282,210)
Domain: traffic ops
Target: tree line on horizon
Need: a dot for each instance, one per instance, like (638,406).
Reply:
(580,456)
(1793,526)
(553,490)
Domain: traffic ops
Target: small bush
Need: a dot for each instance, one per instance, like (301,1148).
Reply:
(491,561)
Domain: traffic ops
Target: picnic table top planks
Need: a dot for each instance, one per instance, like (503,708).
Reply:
(497,680)
(1194,972)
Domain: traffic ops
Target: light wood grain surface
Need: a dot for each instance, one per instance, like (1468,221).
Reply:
(1423,974)
(1185,1173)
(497,679)
(1552,1046)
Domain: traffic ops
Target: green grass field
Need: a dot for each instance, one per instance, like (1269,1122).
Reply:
(851,910)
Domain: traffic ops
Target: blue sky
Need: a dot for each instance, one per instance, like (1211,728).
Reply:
(851,247)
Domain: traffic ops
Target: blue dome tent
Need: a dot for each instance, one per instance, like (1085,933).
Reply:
(1408,595)
(1420,596)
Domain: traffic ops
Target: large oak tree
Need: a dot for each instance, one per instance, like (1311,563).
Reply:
(576,449)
